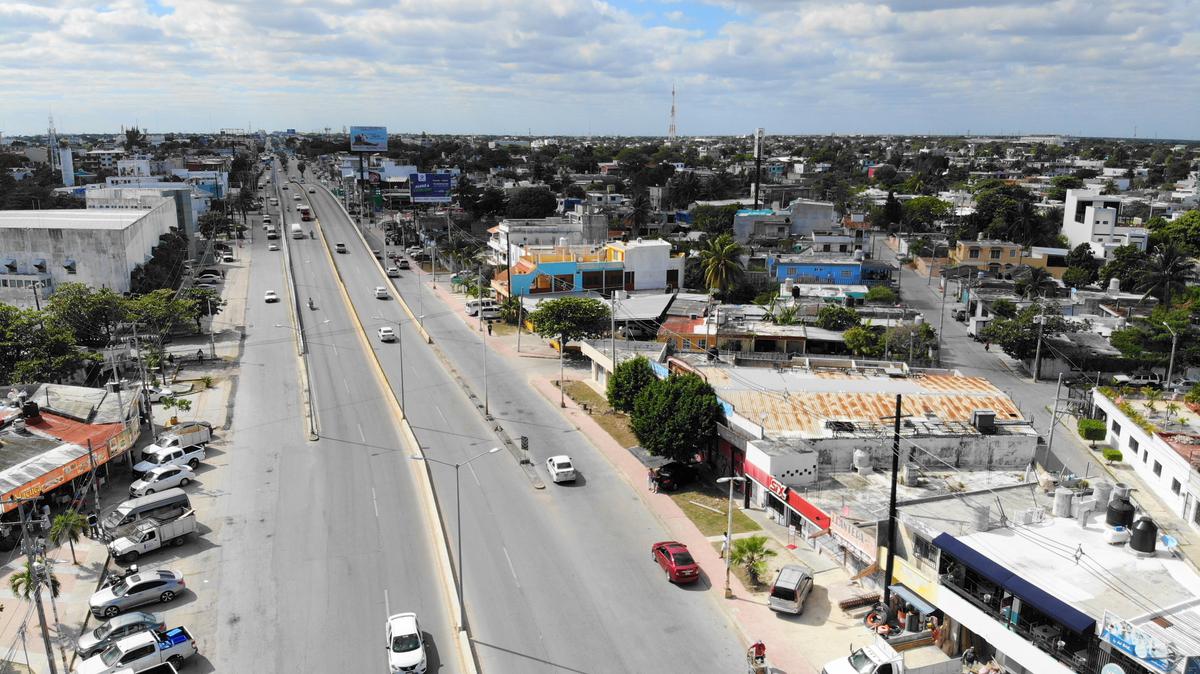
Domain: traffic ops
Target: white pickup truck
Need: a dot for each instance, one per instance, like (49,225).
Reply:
(881,658)
(150,535)
(154,456)
(140,651)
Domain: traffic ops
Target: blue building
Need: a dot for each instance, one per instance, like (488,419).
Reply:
(837,270)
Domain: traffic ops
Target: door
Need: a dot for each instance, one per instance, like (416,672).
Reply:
(139,657)
(142,593)
(629,280)
(672,279)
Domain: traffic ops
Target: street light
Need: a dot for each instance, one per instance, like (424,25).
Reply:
(1170,363)
(462,609)
(400,339)
(729,529)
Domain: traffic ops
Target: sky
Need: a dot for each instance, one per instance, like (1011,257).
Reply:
(603,67)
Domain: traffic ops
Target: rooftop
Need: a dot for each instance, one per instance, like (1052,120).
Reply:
(72,218)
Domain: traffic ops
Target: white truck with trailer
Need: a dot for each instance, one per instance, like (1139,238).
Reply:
(881,658)
(150,535)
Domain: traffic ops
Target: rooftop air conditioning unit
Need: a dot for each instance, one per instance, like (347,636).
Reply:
(984,421)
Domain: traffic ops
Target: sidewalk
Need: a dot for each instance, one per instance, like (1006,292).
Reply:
(531,346)
(795,644)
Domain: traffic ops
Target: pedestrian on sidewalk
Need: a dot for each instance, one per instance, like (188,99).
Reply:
(652,481)
(725,545)
(987,346)
(489,328)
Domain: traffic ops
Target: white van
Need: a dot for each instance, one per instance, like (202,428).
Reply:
(487,304)
(166,505)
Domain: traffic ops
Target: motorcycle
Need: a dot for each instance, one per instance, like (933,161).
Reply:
(118,576)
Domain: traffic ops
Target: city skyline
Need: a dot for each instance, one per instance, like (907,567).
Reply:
(575,67)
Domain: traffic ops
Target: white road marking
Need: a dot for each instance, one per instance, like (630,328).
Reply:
(346,384)
(360,434)
(335,351)
(387,605)
(511,568)
(442,415)
(374,502)
(474,475)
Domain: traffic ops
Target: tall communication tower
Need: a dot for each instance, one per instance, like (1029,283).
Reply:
(52,141)
(671,129)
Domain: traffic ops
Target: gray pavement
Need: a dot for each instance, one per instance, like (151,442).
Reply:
(558,579)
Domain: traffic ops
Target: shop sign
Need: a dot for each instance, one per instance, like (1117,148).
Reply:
(778,488)
(1138,644)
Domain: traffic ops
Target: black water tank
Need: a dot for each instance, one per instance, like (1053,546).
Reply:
(1119,513)
(30,410)
(1145,535)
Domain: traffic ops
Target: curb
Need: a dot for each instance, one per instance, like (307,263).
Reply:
(297,322)
(425,486)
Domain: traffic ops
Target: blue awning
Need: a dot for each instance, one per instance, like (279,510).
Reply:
(1053,608)
(923,607)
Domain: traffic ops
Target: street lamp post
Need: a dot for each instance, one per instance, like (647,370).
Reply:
(400,339)
(462,609)
(1171,362)
(729,530)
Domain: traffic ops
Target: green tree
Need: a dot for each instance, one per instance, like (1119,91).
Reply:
(1183,231)
(35,349)
(1126,263)
(882,294)
(862,340)
(1018,335)
(752,553)
(921,213)
(1169,270)
(68,526)
(91,315)
(22,583)
(721,262)
(836,317)
(493,201)
(1077,277)
(1059,186)
(1036,282)
(892,214)
(532,202)
(905,339)
(714,219)
(207,301)
(640,214)
(134,138)
(1003,308)
(676,416)
(158,312)
(627,382)
(570,318)
(1092,430)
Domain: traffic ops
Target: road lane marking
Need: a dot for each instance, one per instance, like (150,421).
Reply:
(474,475)
(360,434)
(346,384)
(387,604)
(511,568)
(375,503)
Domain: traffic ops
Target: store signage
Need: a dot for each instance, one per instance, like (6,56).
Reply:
(1130,640)
(778,488)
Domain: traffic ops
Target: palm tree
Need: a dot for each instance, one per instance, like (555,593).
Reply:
(752,553)
(640,214)
(721,262)
(22,583)
(1037,282)
(1168,271)
(69,527)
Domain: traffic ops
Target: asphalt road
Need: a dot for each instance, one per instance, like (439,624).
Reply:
(323,538)
(557,580)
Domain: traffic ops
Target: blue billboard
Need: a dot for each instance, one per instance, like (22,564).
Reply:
(430,188)
(368,139)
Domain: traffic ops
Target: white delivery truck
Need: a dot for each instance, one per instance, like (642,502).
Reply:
(881,658)
(297,230)
(152,534)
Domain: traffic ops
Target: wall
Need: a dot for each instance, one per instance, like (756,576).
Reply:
(810,216)
(848,273)
(965,452)
(650,263)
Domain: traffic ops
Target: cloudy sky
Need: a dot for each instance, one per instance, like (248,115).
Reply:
(1091,67)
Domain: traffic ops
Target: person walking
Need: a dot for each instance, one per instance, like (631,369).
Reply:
(489,328)
(725,545)
(652,481)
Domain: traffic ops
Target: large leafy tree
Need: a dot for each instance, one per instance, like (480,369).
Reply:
(532,202)
(35,348)
(1036,282)
(714,219)
(91,315)
(1018,336)
(721,262)
(835,317)
(1126,263)
(158,312)
(570,318)
(1183,231)
(677,416)
(920,213)
(207,301)
(627,381)
(862,340)
(1168,272)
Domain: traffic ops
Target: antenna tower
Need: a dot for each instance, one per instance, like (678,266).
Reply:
(671,129)
(52,140)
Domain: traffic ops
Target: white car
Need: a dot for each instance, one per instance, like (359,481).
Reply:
(393,272)
(161,478)
(273,246)
(381,293)
(156,457)
(227,258)
(387,334)
(312,190)
(405,645)
(157,393)
(270,296)
(560,468)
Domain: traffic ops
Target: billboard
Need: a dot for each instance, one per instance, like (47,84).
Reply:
(430,188)
(368,139)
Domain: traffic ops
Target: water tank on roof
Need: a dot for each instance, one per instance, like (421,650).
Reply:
(30,410)
(858,255)
(788,284)
(1062,502)
(862,462)
(1114,286)
(1120,510)
(1145,536)
(1103,491)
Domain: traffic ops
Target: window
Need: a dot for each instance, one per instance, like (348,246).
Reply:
(687,345)
(974,254)
(1174,486)
(923,548)
(1133,445)
(1145,455)
(701,343)
(1116,428)
(1157,468)
(1012,252)
(996,253)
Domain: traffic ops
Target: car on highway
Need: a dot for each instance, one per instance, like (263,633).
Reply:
(675,560)
(312,190)
(560,468)
(283,187)
(272,246)
(393,272)
(160,478)
(387,334)
(381,293)
(378,255)
(403,264)
(405,644)
(98,638)
(673,475)
(270,296)
(147,587)
(339,247)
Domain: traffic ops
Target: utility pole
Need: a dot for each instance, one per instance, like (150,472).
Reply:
(37,586)
(1053,418)
(1170,363)
(612,330)
(758,142)
(212,339)
(890,566)
(1037,354)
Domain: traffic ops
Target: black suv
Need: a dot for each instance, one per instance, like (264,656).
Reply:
(673,475)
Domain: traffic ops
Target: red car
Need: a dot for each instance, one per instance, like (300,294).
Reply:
(675,559)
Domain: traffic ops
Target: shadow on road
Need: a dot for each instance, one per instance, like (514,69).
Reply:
(528,657)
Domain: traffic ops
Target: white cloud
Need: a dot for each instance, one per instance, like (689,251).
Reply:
(571,65)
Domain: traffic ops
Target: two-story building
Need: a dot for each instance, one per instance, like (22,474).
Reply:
(1095,219)
(618,265)
(990,254)
(829,268)
(582,225)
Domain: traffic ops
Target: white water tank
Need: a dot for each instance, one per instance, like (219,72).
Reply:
(862,462)
(788,284)
(1102,490)
(1062,502)
(1114,287)
(983,515)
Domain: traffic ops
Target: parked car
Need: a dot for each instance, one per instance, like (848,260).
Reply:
(160,478)
(210,274)
(193,432)
(381,293)
(1182,384)
(139,651)
(560,468)
(205,285)
(791,588)
(150,535)
(98,638)
(673,475)
(405,644)
(148,587)
(283,187)
(339,247)
(157,393)
(387,334)
(1151,379)
(228,258)
(270,296)
(676,561)
(312,190)
(154,457)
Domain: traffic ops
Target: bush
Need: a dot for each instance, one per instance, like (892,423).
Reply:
(881,294)
(1092,430)
(628,381)
(1111,454)
(1193,396)
(835,317)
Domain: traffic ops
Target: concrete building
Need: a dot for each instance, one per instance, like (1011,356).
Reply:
(829,268)
(629,266)
(800,218)
(97,247)
(580,226)
(993,255)
(189,203)
(1089,217)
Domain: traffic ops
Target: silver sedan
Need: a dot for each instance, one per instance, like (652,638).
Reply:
(160,586)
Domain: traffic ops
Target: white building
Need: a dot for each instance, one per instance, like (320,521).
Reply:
(516,236)
(1089,217)
(97,247)
(648,264)
(189,203)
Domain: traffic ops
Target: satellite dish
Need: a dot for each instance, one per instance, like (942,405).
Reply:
(1112,668)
